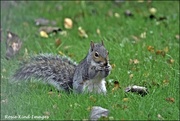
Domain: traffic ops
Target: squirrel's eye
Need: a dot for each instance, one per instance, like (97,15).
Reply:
(96,54)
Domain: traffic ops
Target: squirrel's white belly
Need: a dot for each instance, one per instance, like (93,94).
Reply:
(95,85)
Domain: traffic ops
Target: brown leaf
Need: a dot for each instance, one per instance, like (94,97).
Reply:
(150,48)
(135,61)
(113,65)
(57,42)
(93,99)
(160,52)
(170,61)
(170,99)
(116,84)
(165,82)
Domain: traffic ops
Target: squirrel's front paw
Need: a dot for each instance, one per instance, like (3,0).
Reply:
(108,68)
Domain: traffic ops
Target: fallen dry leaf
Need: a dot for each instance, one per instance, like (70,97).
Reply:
(98,112)
(82,32)
(166,49)
(57,42)
(93,99)
(152,11)
(113,65)
(135,61)
(160,52)
(68,23)
(125,100)
(116,15)
(131,76)
(98,31)
(135,38)
(150,48)
(170,99)
(116,86)
(61,53)
(177,36)
(43,34)
(170,61)
(160,117)
(165,82)
(51,93)
(143,35)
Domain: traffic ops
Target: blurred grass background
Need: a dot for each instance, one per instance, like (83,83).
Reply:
(122,35)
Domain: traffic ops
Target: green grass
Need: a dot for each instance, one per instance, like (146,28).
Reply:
(34,98)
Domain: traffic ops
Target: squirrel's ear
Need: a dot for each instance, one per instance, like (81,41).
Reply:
(102,42)
(9,34)
(92,45)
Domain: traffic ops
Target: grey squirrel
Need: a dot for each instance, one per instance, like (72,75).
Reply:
(87,76)
(13,45)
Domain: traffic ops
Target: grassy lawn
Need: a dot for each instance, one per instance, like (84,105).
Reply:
(143,51)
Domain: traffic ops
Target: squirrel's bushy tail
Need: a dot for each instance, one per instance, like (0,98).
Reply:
(55,70)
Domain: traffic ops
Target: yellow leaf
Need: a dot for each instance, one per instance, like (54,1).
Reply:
(125,99)
(43,34)
(82,32)
(68,23)
(61,53)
